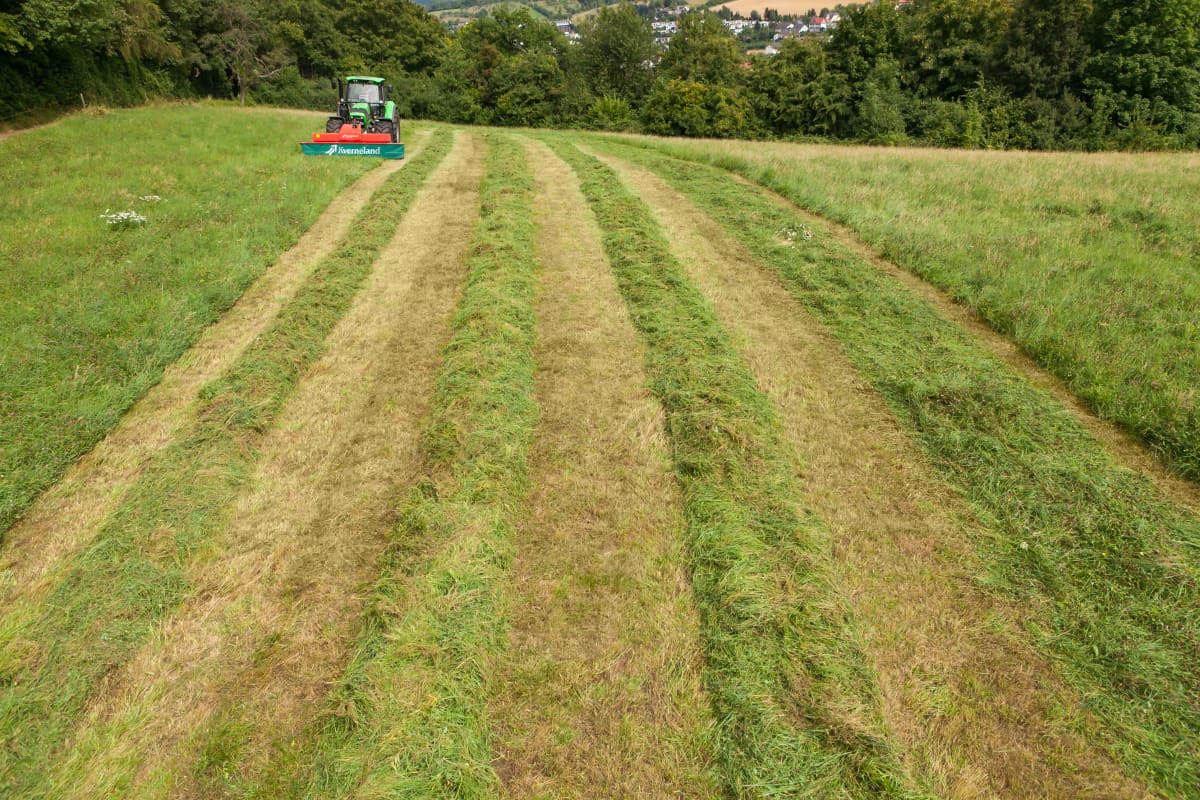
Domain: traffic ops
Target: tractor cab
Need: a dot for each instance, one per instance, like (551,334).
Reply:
(363,102)
(366,122)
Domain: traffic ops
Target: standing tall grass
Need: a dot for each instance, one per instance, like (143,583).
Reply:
(1088,262)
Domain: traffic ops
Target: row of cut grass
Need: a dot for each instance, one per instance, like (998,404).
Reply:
(90,315)
(1085,261)
(410,714)
(54,655)
(794,701)
(1106,566)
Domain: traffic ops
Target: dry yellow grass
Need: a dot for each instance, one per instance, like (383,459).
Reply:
(275,610)
(975,708)
(66,516)
(600,695)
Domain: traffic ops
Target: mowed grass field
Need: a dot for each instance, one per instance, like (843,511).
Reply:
(545,464)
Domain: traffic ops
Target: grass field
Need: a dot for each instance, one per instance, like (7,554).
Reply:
(91,314)
(564,465)
(1087,262)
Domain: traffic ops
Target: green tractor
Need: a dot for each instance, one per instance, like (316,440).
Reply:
(363,101)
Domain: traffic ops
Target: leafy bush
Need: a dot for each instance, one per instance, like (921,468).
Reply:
(681,107)
(610,113)
(289,89)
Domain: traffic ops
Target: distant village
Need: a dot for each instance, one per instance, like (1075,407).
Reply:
(770,31)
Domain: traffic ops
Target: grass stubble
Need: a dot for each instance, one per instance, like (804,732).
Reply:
(600,693)
(409,718)
(55,654)
(247,660)
(976,708)
(795,703)
(1104,564)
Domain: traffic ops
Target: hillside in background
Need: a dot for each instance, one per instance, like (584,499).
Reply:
(995,74)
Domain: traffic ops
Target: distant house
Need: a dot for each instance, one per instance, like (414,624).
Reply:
(818,24)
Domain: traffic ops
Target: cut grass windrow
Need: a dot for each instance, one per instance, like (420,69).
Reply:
(135,573)
(1107,567)
(410,716)
(970,704)
(1085,260)
(795,705)
(247,660)
(69,512)
(600,693)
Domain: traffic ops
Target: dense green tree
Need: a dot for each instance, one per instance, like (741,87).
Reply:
(1045,50)
(953,44)
(389,35)
(793,92)
(1145,61)
(510,65)
(703,50)
(866,35)
(510,31)
(616,49)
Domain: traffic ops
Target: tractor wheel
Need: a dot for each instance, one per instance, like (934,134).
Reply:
(395,131)
(385,126)
(333,124)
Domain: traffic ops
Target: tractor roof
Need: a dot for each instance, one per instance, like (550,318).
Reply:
(364,79)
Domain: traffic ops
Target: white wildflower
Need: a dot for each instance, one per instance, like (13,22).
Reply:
(124,219)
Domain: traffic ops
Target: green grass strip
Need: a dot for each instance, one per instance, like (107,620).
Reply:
(795,702)
(1106,566)
(135,573)
(411,712)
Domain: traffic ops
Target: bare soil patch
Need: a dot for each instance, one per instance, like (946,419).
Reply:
(69,513)
(600,695)
(268,630)
(977,710)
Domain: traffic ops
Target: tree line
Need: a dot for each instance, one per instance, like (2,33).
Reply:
(1034,74)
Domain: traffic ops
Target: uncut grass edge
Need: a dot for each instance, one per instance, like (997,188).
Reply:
(97,350)
(409,718)
(796,706)
(1168,431)
(1106,565)
(134,574)
(599,694)
(65,514)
